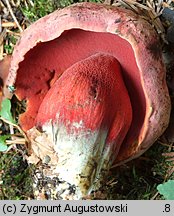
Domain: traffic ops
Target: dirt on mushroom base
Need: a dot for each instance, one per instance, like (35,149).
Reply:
(136,180)
(145,176)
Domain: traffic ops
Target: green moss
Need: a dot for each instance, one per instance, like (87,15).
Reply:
(44,7)
(15,178)
(138,179)
(40,9)
(10,42)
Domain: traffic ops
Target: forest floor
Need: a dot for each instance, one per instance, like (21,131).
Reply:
(137,179)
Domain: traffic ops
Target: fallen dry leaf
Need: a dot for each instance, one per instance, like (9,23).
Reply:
(41,148)
(4,70)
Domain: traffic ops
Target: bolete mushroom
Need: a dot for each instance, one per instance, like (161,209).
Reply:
(94,83)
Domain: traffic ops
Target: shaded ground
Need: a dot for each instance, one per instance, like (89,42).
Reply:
(15,176)
(137,179)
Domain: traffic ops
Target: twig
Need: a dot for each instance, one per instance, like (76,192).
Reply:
(131,2)
(31,3)
(11,129)
(8,24)
(0,24)
(20,141)
(17,34)
(154,196)
(13,16)
(16,126)
(169,2)
(2,36)
(1,4)
(26,5)
(164,144)
(15,4)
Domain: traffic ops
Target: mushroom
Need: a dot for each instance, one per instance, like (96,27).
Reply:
(94,83)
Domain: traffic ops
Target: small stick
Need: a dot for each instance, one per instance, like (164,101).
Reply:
(2,36)
(16,126)
(8,24)
(17,34)
(16,141)
(131,2)
(15,4)
(1,4)
(31,3)
(154,196)
(13,16)
(0,24)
